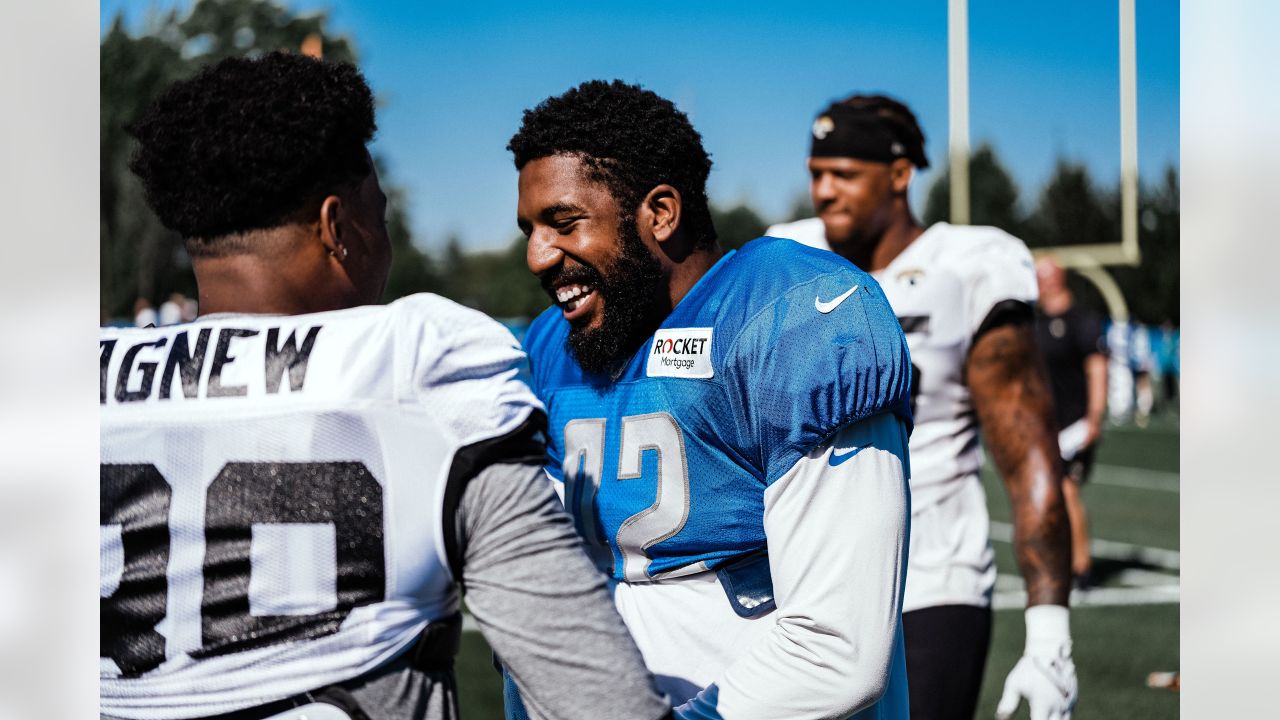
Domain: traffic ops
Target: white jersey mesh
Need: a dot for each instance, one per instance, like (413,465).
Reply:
(272,520)
(942,287)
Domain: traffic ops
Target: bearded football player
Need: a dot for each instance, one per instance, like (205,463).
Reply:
(294,486)
(964,296)
(728,430)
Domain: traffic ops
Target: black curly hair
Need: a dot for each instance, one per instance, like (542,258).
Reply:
(898,116)
(249,144)
(631,138)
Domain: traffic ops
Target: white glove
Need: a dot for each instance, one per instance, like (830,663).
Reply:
(1045,675)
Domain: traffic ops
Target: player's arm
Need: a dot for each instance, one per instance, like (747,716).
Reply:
(1095,374)
(1015,408)
(542,606)
(837,530)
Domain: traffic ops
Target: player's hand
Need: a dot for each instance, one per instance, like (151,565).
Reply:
(1045,675)
(1093,431)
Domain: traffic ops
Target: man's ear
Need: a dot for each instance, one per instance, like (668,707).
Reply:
(660,211)
(333,226)
(900,174)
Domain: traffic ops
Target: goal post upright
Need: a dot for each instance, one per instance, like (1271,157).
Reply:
(958,107)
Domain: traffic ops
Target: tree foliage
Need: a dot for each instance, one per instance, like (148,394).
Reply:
(139,257)
(1152,288)
(993,195)
(1072,209)
(497,282)
(738,225)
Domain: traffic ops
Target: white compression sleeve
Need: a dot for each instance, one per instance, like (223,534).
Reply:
(837,527)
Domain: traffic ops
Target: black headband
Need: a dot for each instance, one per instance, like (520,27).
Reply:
(863,135)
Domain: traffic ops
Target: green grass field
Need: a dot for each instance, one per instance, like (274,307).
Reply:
(1124,630)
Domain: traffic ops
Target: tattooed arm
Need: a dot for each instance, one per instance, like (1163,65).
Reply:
(1015,408)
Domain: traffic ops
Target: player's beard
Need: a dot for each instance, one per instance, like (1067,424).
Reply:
(631,288)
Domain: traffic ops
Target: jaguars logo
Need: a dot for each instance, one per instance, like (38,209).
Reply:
(823,126)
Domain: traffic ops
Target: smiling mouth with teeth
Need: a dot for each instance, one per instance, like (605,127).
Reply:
(571,297)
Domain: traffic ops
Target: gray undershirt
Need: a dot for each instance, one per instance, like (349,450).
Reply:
(541,605)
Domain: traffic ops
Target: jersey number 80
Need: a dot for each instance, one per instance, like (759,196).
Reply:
(135,518)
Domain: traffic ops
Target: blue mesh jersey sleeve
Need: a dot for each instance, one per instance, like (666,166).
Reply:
(821,353)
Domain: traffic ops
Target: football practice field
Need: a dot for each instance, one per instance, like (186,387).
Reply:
(1123,629)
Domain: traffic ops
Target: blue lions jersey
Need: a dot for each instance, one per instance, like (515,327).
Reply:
(776,348)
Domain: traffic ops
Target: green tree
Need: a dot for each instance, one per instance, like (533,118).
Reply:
(412,270)
(1072,211)
(737,225)
(135,250)
(801,207)
(139,257)
(993,196)
(219,29)
(496,282)
(1152,288)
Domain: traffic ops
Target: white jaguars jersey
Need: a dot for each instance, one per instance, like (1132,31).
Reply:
(941,287)
(273,491)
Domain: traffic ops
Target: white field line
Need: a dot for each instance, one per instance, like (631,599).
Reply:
(1017,599)
(1110,549)
(1137,478)
(1098,597)
(1127,578)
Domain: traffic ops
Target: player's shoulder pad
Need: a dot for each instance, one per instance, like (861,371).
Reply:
(813,345)
(462,364)
(781,278)
(809,231)
(982,249)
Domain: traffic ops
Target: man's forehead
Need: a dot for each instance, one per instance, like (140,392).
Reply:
(841,163)
(559,180)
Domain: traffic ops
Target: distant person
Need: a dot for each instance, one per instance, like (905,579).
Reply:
(143,314)
(1070,338)
(1120,381)
(171,310)
(1168,354)
(1143,360)
(964,297)
(295,487)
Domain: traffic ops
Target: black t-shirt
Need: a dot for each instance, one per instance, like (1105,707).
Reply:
(1065,341)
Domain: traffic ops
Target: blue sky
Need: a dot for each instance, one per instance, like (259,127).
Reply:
(453,79)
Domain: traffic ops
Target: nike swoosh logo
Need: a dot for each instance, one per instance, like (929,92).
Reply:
(839,458)
(826,307)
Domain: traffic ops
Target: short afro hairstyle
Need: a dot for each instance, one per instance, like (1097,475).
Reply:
(248,144)
(632,139)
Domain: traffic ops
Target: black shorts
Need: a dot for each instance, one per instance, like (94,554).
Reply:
(1079,467)
(946,654)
